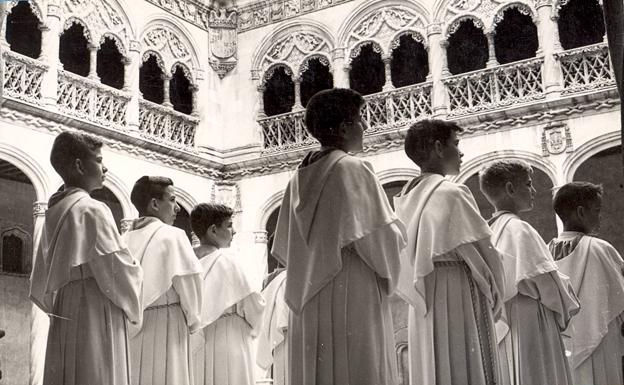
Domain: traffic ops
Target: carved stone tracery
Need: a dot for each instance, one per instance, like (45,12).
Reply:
(98,18)
(169,46)
(295,48)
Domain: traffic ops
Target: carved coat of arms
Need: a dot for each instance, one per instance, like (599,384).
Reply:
(222,40)
(556,139)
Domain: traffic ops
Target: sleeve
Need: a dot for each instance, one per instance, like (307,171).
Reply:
(555,292)
(38,278)
(251,308)
(188,288)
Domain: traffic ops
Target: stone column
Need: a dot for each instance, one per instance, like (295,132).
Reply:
(438,67)
(341,76)
(166,99)
(40,322)
(194,95)
(93,50)
(387,60)
(50,33)
(132,64)
(492,62)
(298,106)
(4,13)
(261,114)
(548,35)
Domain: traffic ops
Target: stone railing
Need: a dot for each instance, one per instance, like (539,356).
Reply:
(285,132)
(90,100)
(497,87)
(22,77)
(167,126)
(586,68)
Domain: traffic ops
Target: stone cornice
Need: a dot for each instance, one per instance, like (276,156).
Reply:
(193,11)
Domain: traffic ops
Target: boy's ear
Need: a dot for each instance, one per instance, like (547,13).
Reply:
(78,167)
(153,204)
(509,188)
(438,147)
(580,212)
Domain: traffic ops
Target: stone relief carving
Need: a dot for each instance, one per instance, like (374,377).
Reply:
(489,11)
(168,44)
(556,139)
(294,48)
(223,37)
(99,17)
(193,11)
(227,193)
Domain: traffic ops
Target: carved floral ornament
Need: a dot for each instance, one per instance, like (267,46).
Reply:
(293,48)
(416,35)
(524,9)
(306,62)
(355,52)
(165,44)
(271,70)
(75,20)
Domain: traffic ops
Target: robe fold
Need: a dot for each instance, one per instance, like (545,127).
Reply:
(594,336)
(453,279)
(340,242)
(539,304)
(272,338)
(171,303)
(232,311)
(86,280)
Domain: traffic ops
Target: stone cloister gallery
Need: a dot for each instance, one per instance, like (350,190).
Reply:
(212,94)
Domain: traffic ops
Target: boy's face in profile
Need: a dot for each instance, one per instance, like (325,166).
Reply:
(524,196)
(451,155)
(591,217)
(93,170)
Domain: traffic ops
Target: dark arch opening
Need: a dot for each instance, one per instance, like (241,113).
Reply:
(410,63)
(605,168)
(279,93)
(12,254)
(107,197)
(180,92)
(367,75)
(183,221)
(22,31)
(580,23)
(542,217)
(467,48)
(314,79)
(151,82)
(110,67)
(516,37)
(73,51)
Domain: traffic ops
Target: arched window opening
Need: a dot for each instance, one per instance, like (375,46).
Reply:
(272,263)
(605,168)
(279,93)
(467,49)
(180,92)
(314,79)
(73,50)
(541,217)
(183,221)
(392,189)
(151,82)
(22,31)
(110,67)
(580,23)
(516,37)
(367,75)
(107,197)
(410,63)
(12,254)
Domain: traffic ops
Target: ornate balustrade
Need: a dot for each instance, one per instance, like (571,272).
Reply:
(87,99)
(586,68)
(497,87)
(22,77)
(166,126)
(285,132)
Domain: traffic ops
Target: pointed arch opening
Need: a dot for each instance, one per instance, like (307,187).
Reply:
(279,91)
(467,48)
(516,37)
(367,72)
(580,23)
(151,82)
(74,51)
(180,91)
(315,77)
(22,30)
(110,64)
(410,63)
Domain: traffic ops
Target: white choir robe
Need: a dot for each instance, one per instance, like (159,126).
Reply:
(340,242)
(171,301)
(539,304)
(594,336)
(272,350)
(89,284)
(232,311)
(453,278)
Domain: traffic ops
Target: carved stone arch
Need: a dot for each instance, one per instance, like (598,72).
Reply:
(397,175)
(185,199)
(415,34)
(557,4)
(35,8)
(30,167)
(187,72)
(270,70)
(173,42)
(267,208)
(355,51)
(159,60)
(586,151)
(27,244)
(71,20)
(446,11)
(535,160)
(119,189)
(523,8)
(323,58)
(454,24)
(116,39)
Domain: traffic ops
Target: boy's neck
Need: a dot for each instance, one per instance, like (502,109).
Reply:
(81,186)
(433,169)
(578,228)
(506,206)
(206,247)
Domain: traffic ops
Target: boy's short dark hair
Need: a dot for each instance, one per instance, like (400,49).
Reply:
(69,146)
(494,177)
(146,188)
(575,194)
(205,215)
(422,135)
(327,109)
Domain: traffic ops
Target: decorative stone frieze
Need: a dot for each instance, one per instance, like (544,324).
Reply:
(98,18)
(556,139)
(193,11)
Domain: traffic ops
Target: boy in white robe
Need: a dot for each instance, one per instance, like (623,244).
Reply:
(232,309)
(171,298)
(539,302)
(84,277)
(340,242)
(450,274)
(594,336)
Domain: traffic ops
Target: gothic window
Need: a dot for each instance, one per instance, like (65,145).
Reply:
(409,63)
(183,221)
(13,254)
(467,49)
(580,23)
(515,38)
(22,30)
(367,74)
(180,92)
(110,67)
(151,82)
(605,168)
(107,197)
(279,93)
(315,78)
(73,50)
